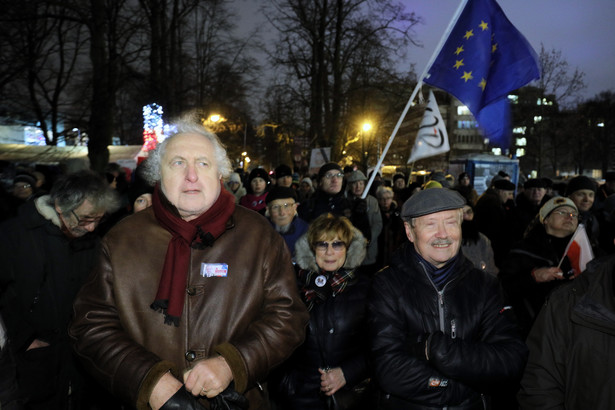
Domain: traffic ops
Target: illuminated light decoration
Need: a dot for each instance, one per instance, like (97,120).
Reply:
(153,126)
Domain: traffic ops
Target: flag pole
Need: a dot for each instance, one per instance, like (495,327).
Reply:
(419,84)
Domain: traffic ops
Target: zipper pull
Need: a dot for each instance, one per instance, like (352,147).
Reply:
(453,329)
(440,298)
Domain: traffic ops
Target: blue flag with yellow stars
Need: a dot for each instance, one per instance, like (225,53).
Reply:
(484,58)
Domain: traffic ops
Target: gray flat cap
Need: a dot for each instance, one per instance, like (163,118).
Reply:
(430,201)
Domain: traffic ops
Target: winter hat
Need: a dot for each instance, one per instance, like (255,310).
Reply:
(326,168)
(258,173)
(280,192)
(580,182)
(432,184)
(430,201)
(234,178)
(308,181)
(399,175)
(25,178)
(534,183)
(552,204)
(504,185)
(283,171)
(356,176)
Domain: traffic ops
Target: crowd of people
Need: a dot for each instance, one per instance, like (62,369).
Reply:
(186,285)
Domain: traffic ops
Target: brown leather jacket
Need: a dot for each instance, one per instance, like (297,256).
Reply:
(253,317)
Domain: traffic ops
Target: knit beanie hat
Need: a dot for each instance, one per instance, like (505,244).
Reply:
(552,204)
(258,173)
(280,192)
(580,182)
(326,168)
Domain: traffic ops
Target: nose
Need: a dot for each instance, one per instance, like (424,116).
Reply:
(441,232)
(91,226)
(191,174)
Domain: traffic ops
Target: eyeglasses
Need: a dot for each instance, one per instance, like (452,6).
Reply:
(23,186)
(323,246)
(81,221)
(277,208)
(331,176)
(570,214)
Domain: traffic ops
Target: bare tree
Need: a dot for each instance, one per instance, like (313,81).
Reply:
(329,47)
(558,79)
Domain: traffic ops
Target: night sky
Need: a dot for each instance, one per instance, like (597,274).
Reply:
(583,30)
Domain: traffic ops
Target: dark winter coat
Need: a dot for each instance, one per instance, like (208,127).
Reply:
(40,275)
(571,363)
(472,345)
(335,337)
(494,220)
(537,250)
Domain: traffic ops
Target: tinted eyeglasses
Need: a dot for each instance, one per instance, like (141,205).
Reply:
(323,246)
(331,176)
(82,221)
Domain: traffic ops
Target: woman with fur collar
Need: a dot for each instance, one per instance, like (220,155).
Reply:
(333,358)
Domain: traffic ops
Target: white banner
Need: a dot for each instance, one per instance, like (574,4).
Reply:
(432,138)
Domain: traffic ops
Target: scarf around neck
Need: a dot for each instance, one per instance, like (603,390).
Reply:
(198,234)
(439,276)
(317,286)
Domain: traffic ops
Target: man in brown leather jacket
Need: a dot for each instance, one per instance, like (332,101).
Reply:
(193,296)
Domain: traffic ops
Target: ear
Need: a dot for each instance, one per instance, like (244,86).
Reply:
(409,232)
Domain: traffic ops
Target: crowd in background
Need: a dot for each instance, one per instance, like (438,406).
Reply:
(516,233)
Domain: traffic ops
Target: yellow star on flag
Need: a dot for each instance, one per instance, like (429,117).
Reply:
(467,76)
(482,84)
(458,63)
(468,34)
(494,47)
(483,25)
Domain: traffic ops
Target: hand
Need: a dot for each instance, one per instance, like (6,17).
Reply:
(542,275)
(166,388)
(208,377)
(37,344)
(331,380)
(360,206)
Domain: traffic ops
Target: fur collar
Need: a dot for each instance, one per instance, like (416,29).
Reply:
(47,210)
(354,254)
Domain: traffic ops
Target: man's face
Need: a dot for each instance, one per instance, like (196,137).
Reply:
(286,181)
(331,182)
(505,195)
(190,178)
(282,211)
(80,220)
(357,188)
(22,190)
(562,221)
(583,199)
(399,183)
(535,194)
(385,202)
(436,237)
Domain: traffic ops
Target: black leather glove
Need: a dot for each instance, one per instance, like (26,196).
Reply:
(359,206)
(229,399)
(182,400)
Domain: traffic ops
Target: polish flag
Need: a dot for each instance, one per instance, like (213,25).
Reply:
(579,250)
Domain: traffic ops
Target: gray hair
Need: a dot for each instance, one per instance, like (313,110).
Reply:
(384,190)
(190,123)
(71,190)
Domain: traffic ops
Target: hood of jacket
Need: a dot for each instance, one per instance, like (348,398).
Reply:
(355,253)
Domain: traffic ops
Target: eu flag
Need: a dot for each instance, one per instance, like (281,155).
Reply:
(484,58)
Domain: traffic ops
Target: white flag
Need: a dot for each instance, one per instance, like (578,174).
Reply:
(432,138)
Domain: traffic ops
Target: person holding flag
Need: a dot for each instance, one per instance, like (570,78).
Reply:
(544,259)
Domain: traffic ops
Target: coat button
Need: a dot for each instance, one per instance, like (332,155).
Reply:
(191,291)
(190,355)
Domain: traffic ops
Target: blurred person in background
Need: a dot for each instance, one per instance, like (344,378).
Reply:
(258,184)
(282,212)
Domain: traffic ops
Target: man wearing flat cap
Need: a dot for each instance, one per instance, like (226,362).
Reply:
(440,337)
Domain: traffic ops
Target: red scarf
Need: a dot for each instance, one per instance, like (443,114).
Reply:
(198,233)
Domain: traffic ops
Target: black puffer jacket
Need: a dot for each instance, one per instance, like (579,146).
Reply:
(336,335)
(472,346)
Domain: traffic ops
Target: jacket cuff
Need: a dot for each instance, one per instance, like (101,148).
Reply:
(235,361)
(151,378)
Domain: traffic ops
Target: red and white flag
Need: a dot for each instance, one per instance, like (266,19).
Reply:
(579,250)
